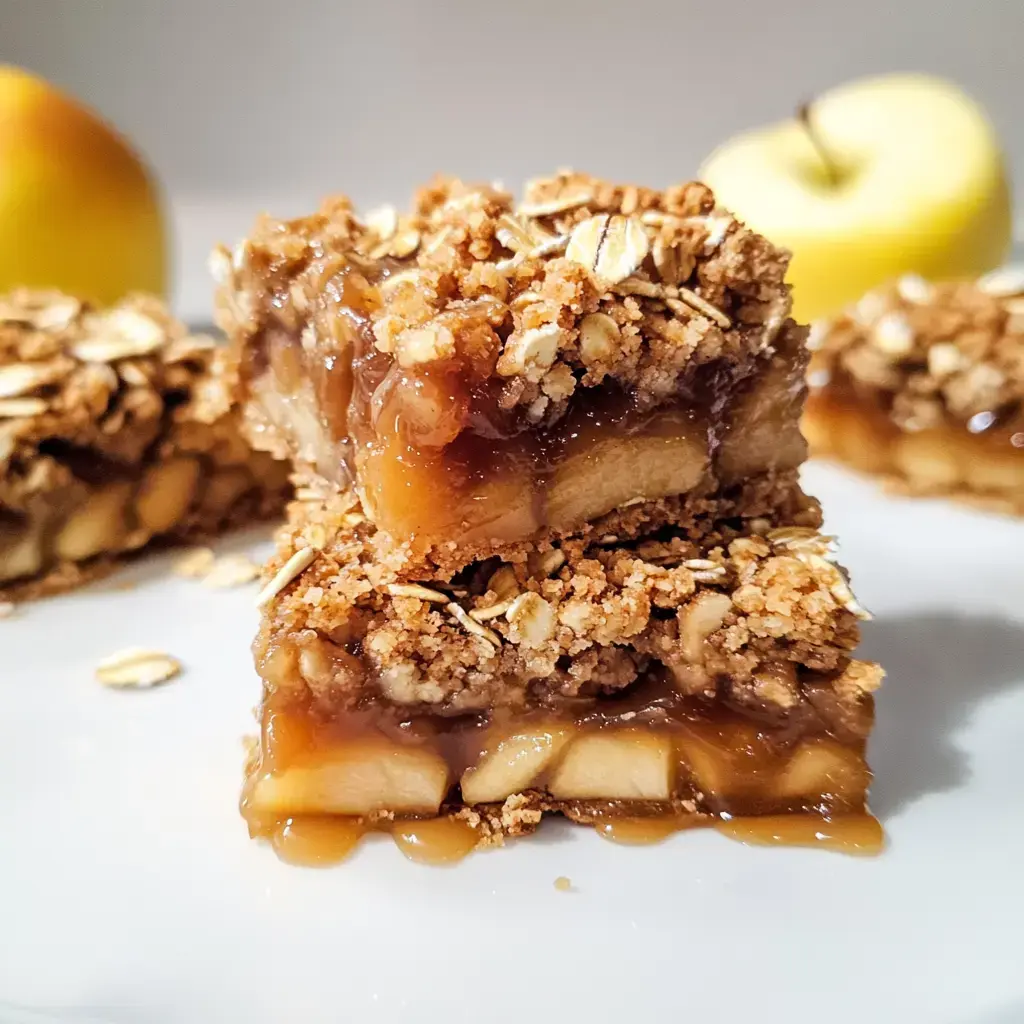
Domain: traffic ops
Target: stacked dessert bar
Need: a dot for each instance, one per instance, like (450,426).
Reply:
(117,431)
(549,551)
(923,384)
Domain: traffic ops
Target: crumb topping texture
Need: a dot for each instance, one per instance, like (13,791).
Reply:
(106,382)
(742,606)
(930,353)
(581,284)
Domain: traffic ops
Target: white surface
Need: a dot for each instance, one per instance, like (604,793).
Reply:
(130,892)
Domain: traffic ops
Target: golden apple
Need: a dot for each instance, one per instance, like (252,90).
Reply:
(884,176)
(78,210)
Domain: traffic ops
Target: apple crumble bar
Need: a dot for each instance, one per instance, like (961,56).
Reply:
(548,550)
(486,373)
(922,384)
(117,430)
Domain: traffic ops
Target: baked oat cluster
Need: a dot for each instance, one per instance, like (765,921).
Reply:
(938,352)
(548,550)
(923,384)
(581,282)
(732,605)
(117,427)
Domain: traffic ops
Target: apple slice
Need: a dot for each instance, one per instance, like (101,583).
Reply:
(513,764)
(927,462)
(360,778)
(21,548)
(166,493)
(604,468)
(433,496)
(764,424)
(621,764)
(97,524)
(823,769)
(728,761)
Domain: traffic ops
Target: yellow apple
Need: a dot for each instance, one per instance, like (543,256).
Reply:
(885,176)
(78,210)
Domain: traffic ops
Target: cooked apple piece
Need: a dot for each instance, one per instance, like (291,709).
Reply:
(360,778)
(604,469)
(97,524)
(513,764)
(764,431)
(864,439)
(926,461)
(225,488)
(166,493)
(727,760)
(21,548)
(995,471)
(624,764)
(432,495)
(290,407)
(857,434)
(823,768)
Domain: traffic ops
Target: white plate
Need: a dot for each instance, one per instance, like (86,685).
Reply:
(129,890)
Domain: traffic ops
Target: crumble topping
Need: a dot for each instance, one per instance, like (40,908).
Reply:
(932,351)
(750,607)
(580,282)
(102,381)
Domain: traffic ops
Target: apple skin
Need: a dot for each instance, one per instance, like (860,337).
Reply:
(78,210)
(923,189)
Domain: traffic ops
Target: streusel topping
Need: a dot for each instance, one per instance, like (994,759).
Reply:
(101,380)
(931,351)
(742,607)
(580,282)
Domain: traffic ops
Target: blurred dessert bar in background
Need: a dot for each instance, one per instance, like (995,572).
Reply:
(117,431)
(549,551)
(922,384)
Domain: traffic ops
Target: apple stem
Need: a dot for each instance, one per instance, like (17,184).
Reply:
(803,116)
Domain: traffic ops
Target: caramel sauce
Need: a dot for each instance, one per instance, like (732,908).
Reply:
(645,831)
(859,834)
(435,840)
(316,840)
(320,840)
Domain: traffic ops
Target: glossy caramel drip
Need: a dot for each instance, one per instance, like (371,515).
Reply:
(435,840)
(848,833)
(645,831)
(316,840)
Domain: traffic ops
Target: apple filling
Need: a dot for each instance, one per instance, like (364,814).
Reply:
(942,460)
(429,469)
(108,513)
(661,765)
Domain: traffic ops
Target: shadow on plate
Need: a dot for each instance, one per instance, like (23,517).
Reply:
(939,668)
